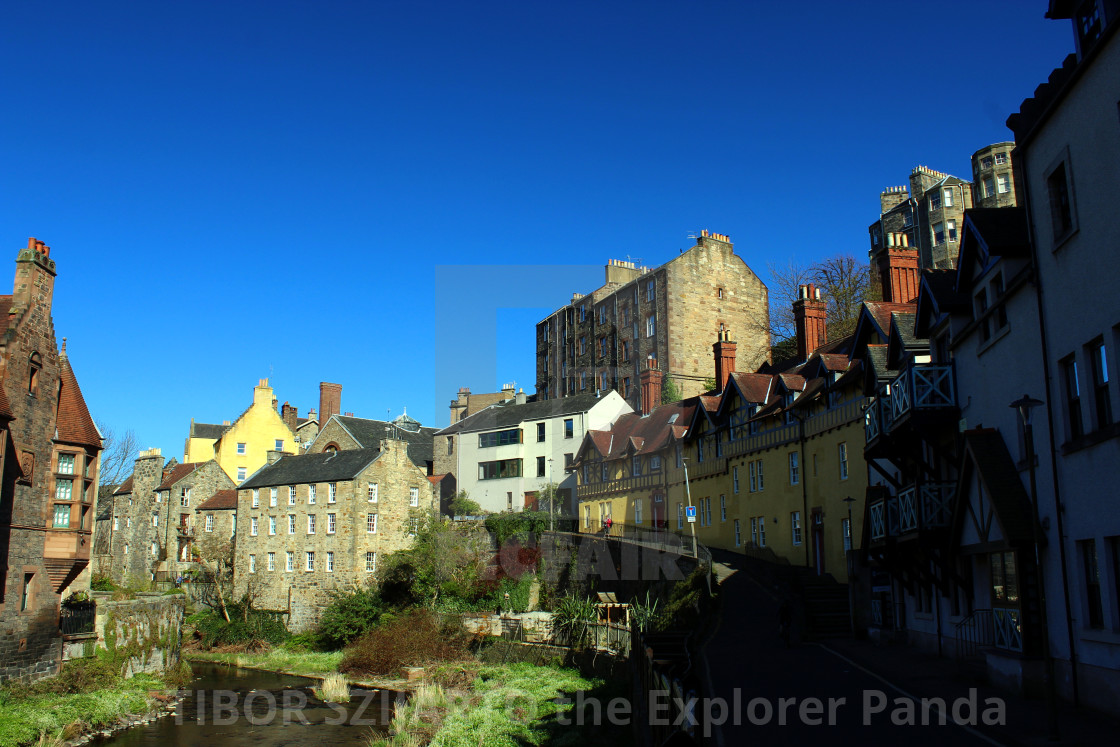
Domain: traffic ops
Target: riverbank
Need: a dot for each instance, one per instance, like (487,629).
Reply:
(312,664)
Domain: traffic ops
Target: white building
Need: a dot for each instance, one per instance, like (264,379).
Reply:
(507,453)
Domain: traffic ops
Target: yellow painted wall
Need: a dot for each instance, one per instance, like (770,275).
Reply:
(199,450)
(258,428)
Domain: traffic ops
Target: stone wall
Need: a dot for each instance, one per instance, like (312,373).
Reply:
(145,633)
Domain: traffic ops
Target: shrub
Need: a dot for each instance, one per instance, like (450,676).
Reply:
(349,614)
(102,583)
(461,505)
(519,525)
(245,625)
(412,639)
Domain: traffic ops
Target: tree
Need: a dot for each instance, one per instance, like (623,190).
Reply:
(845,284)
(118,453)
(215,553)
(669,392)
(461,505)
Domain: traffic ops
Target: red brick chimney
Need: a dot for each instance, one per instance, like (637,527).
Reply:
(898,269)
(724,352)
(330,401)
(290,416)
(651,386)
(809,313)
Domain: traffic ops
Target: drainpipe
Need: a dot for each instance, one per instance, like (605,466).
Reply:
(1047,376)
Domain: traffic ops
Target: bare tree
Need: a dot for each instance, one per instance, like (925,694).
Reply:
(118,453)
(215,553)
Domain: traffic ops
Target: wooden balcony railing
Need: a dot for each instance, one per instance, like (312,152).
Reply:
(922,386)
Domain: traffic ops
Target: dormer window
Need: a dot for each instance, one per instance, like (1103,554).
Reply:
(35,366)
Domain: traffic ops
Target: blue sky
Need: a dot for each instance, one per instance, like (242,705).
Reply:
(389,194)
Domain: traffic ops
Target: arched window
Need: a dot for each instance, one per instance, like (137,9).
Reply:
(34,365)
(332,446)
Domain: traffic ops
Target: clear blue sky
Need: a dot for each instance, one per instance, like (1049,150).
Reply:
(389,194)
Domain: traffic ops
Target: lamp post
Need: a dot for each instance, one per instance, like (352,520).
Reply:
(851,537)
(688,492)
(1024,406)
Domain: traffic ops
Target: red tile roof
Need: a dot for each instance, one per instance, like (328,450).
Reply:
(435,479)
(75,426)
(177,473)
(645,434)
(223,499)
(5,406)
(754,386)
(125,487)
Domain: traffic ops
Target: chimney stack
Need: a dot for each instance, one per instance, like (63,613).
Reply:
(290,416)
(898,271)
(651,386)
(809,313)
(330,401)
(724,352)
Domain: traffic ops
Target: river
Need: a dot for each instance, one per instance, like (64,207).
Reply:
(229,707)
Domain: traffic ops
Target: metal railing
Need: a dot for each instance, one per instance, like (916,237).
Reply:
(878,511)
(1008,628)
(76,618)
(973,633)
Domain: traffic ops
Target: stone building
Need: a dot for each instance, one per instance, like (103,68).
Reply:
(310,523)
(993,180)
(602,340)
(146,533)
(344,432)
(49,459)
(467,403)
(217,515)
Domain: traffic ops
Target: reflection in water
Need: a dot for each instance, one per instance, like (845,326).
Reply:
(226,706)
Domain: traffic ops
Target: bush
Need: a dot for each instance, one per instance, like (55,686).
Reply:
(412,639)
(102,583)
(517,525)
(245,625)
(349,614)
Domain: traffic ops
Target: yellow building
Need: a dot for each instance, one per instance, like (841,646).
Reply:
(241,448)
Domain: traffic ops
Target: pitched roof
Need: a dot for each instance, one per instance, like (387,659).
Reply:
(223,499)
(633,433)
(327,466)
(986,452)
(207,430)
(755,387)
(509,414)
(5,406)
(177,473)
(369,434)
(74,424)
(125,487)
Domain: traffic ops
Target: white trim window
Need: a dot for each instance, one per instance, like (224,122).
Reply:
(241,474)
(735,480)
(794,468)
(371,523)
(371,562)
(373,492)
(311,523)
(310,561)
(330,562)
(414,497)
(842,450)
(723,508)
(272,497)
(650,292)
(272,561)
(253,524)
(291,523)
(252,563)
(738,534)
(291,495)
(240,447)
(331,518)
(795,526)
(256,498)
(271,525)
(290,561)
(651,325)
(413,526)
(638,511)
(209,522)
(311,495)
(332,492)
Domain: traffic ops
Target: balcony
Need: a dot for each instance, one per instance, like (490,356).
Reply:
(922,387)
(874,424)
(917,508)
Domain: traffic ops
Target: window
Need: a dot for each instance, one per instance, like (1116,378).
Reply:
(708,510)
(655,463)
(638,511)
(602,381)
(66,464)
(582,344)
(241,474)
(1003,183)
(311,523)
(1073,399)
(846,528)
(843,454)
(279,444)
(587,516)
(626,351)
(272,561)
(935,201)
(372,488)
(185,497)
(1102,403)
(291,495)
(938,233)
(680,516)
(330,562)
(986,162)
(649,290)
(1088,24)
(604,472)
(582,380)
(414,497)
(540,432)
(738,535)
(907,219)
(723,508)
(155,549)
(116,523)
(240,447)
(499,470)
(256,498)
(1093,606)
(155,520)
(332,492)
(583,313)
(290,562)
(636,466)
(252,563)
(291,523)
(989,186)
(61,516)
(625,386)
(311,494)
(795,526)
(63,489)
(602,347)
(209,522)
(371,523)
(310,561)
(272,525)
(1001,158)
(499,438)
(947,196)
(951,228)
(271,497)
(1061,207)
(752,479)
(762,531)
(794,469)
(253,523)
(330,523)
(569,428)
(651,325)
(371,562)
(540,466)
(413,525)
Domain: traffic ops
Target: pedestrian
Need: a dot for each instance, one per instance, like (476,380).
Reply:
(610,523)
(785,622)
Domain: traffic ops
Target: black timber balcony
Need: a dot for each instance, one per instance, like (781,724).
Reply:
(925,389)
(916,509)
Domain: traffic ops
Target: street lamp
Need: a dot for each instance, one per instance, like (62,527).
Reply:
(688,492)
(1024,406)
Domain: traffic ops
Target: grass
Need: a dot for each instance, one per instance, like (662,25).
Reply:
(333,689)
(48,711)
(310,663)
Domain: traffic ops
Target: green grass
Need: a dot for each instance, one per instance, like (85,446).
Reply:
(312,663)
(25,719)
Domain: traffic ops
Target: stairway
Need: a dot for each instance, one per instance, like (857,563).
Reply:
(827,614)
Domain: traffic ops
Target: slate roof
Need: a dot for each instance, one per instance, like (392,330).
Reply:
(74,424)
(223,499)
(207,430)
(508,414)
(328,466)
(877,362)
(177,473)
(755,387)
(986,451)
(370,433)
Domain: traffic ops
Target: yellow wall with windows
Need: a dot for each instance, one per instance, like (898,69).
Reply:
(258,429)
